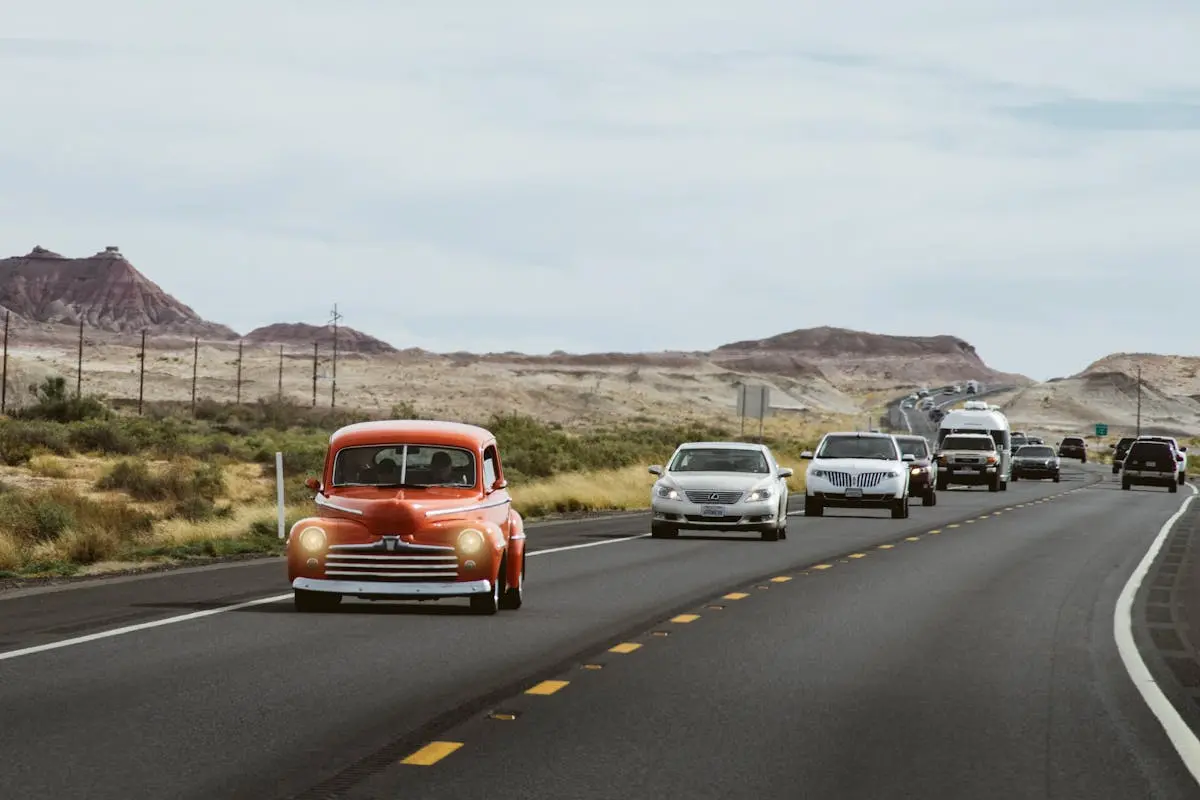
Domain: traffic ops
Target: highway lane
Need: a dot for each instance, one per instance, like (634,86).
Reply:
(261,702)
(978,662)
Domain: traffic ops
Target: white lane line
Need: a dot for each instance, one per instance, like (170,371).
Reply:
(1181,735)
(91,637)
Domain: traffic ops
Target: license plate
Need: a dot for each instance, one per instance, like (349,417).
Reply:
(1151,464)
(712,511)
(854,493)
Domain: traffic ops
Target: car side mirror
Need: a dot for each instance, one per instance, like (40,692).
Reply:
(1183,449)
(313,483)
(908,457)
(656,470)
(499,484)
(807,454)
(786,472)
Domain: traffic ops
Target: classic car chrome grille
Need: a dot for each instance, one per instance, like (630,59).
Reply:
(404,562)
(718,498)
(865,480)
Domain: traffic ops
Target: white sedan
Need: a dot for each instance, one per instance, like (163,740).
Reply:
(720,486)
(857,470)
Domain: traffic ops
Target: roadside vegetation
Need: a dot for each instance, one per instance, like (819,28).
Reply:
(86,488)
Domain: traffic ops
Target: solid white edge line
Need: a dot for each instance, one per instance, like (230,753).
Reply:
(91,637)
(548,550)
(1186,744)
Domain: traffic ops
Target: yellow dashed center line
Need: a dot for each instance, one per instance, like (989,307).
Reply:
(970,521)
(432,753)
(736,596)
(781,579)
(547,687)
(913,539)
(953,525)
(936,531)
(823,566)
(858,555)
(886,546)
(682,618)
(624,647)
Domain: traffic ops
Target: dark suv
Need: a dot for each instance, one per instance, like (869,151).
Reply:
(1073,447)
(922,476)
(1149,464)
(1119,451)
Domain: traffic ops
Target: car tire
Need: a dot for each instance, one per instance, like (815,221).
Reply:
(1116,469)
(1174,487)
(900,508)
(489,602)
(514,596)
(663,530)
(1015,477)
(994,484)
(1126,484)
(1056,477)
(310,602)
(813,507)
(929,498)
(770,534)
(1182,478)
(943,483)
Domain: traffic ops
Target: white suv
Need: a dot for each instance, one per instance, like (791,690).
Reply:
(857,470)
(720,486)
(1181,458)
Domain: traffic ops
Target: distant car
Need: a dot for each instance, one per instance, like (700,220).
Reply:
(956,389)
(409,510)
(1119,451)
(1073,447)
(1150,463)
(1036,461)
(720,486)
(922,474)
(922,392)
(1016,441)
(1180,453)
(1035,440)
(857,470)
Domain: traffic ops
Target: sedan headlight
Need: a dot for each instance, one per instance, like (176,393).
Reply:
(312,539)
(470,542)
(763,493)
(892,474)
(667,493)
(818,473)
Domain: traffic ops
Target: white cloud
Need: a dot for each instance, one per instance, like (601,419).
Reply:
(668,174)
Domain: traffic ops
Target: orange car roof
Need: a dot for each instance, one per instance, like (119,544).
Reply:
(411,431)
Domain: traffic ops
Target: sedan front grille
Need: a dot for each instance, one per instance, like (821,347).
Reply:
(865,480)
(718,498)
(405,563)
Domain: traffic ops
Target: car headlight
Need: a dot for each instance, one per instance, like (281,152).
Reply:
(916,470)
(470,542)
(892,474)
(818,473)
(312,539)
(667,493)
(765,493)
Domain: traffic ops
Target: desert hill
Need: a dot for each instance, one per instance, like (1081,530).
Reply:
(104,290)
(300,334)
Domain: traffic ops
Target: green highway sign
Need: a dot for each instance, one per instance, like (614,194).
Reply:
(1101,429)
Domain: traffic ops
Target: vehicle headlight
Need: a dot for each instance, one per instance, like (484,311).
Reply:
(765,493)
(916,470)
(312,539)
(667,493)
(818,473)
(470,542)
(892,474)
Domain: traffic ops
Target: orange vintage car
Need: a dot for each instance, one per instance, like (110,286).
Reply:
(409,510)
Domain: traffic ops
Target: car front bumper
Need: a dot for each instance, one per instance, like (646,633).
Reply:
(1036,469)
(734,516)
(394,589)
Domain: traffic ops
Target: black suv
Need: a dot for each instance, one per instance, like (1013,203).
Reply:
(1073,447)
(1119,451)
(1149,464)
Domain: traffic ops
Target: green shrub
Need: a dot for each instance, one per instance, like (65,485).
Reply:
(182,482)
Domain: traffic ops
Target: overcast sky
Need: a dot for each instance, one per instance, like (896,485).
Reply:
(628,174)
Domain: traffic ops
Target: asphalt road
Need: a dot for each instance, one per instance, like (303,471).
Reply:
(976,661)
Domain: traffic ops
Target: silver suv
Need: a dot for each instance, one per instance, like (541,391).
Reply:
(970,459)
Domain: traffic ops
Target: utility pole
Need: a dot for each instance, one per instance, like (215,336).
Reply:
(79,364)
(314,400)
(239,373)
(142,372)
(1139,400)
(4,371)
(281,373)
(195,369)
(335,319)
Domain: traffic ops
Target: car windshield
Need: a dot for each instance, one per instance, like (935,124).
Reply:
(878,447)
(968,443)
(1073,442)
(719,459)
(404,465)
(914,447)
(1033,451)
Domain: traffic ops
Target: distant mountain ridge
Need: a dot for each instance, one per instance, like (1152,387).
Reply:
(349,340)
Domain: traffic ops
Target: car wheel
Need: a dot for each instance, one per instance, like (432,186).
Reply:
(1057,477)
(1182,478)
(1115,469)
(929,498)
(994,484)
(1015,477)
(813,507)
(662,530)
(900,508)
(514,596)
(943,483)
(489,602)
(1126,484)
(1174,487)
(770,534)
(309,602)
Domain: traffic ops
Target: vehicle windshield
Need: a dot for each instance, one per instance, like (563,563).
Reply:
(914,447)
(1034,451)
(878,447)
(968,443)
(1073,442)
(413,466)
(719,459)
